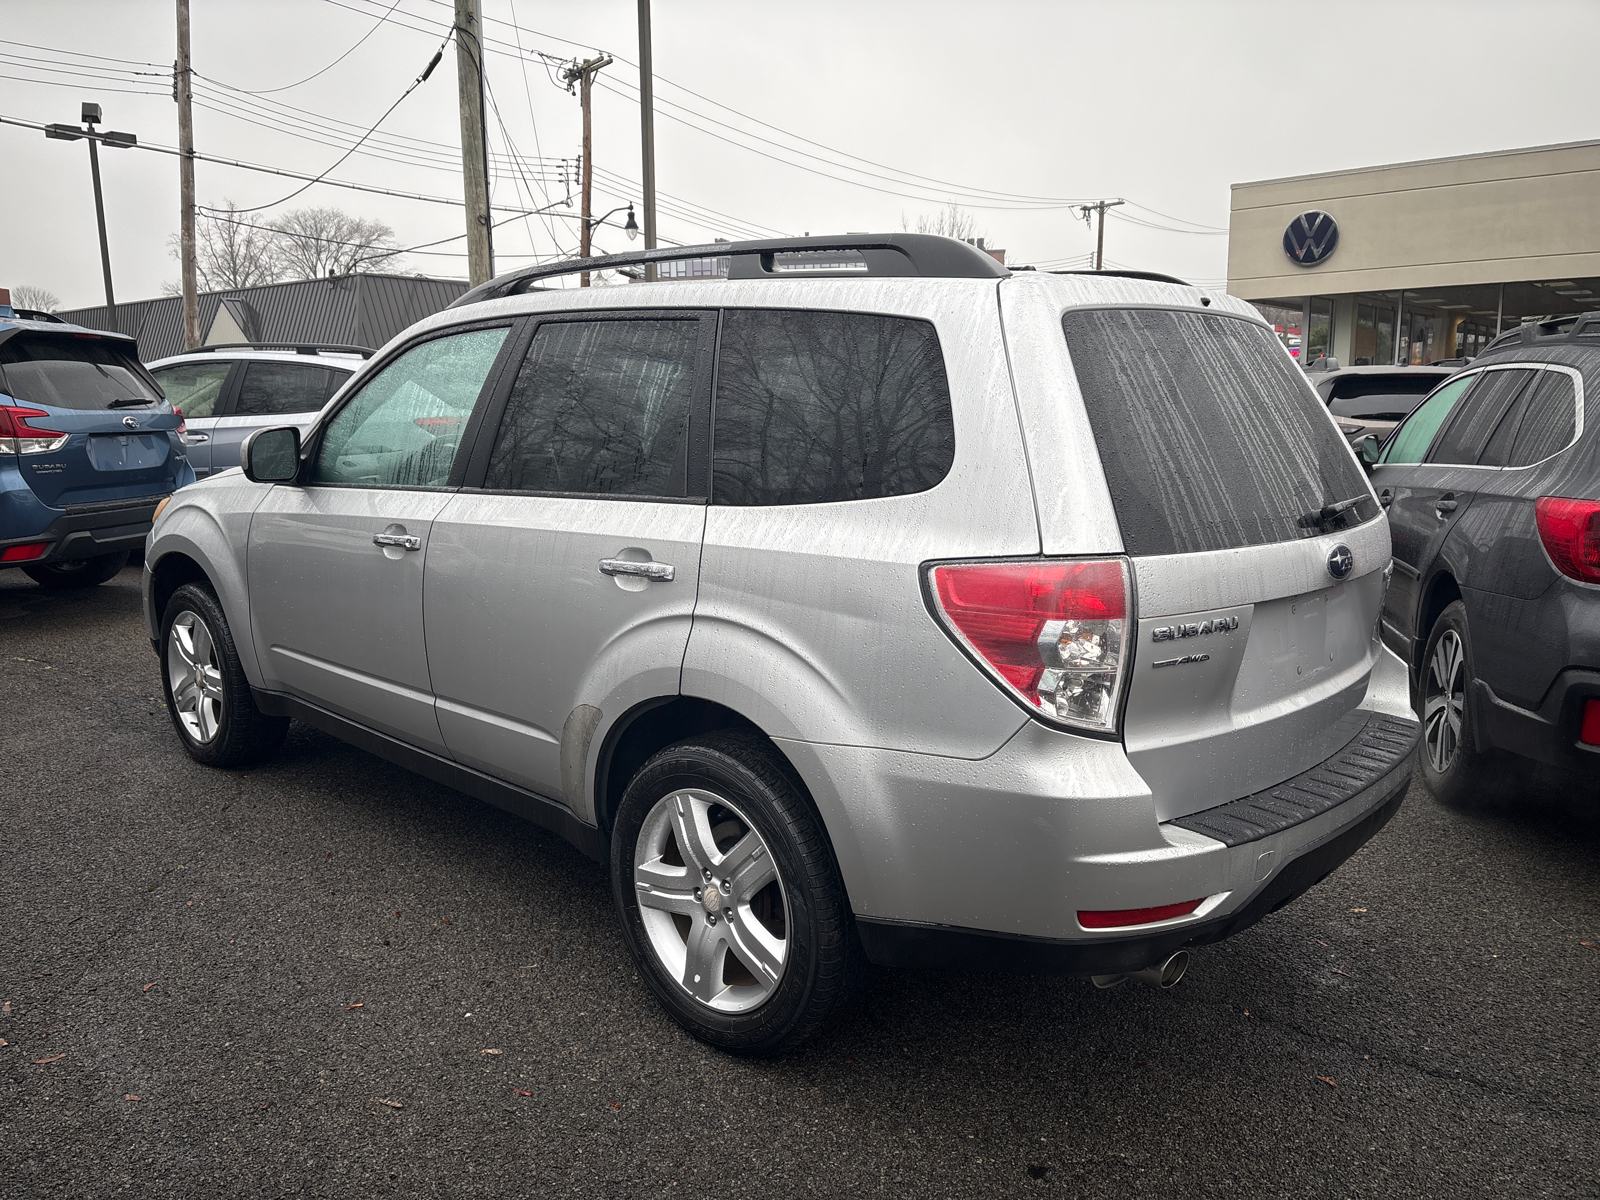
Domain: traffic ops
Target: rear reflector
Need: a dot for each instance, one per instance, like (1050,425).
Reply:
(1570,531)
(24,553)
(1050,631)
(1118,918)
(1589,735)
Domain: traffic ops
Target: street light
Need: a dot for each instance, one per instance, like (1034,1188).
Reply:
(121,141)
(631,228)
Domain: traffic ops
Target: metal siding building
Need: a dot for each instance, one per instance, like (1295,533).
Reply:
(347,310)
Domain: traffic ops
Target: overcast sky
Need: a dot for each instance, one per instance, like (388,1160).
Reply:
(908,106)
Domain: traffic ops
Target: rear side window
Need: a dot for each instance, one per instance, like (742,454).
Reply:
(1479,414)
(67,371)
(271,388)
(1210,437)
(601,408)
(816,406)
(1549,420)
(194,387)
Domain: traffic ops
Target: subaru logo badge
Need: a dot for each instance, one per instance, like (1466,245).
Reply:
(1340,561)
(1311,238)
(131,422)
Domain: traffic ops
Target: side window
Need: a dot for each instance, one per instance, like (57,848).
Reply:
(194,387)
(1549,420)
(403,428)
(271,388)
(600,407)
(1411,441)
(1477,417)
(814,407)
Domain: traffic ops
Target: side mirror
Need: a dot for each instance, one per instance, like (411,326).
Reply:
(271,455)
(1367,448)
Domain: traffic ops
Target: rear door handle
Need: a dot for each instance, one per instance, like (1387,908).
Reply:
(660,572)
(195,439)
(396,535)
(1443,506)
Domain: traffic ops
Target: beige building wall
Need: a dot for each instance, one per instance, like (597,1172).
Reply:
(1485,218)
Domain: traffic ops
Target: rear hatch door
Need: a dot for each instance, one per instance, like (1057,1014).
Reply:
(1257,546)
(99,427)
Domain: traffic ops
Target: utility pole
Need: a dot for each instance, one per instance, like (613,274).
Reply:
(583,74)
(647,133)
(182,82)
(1100,239)
(71,133)
(474,142)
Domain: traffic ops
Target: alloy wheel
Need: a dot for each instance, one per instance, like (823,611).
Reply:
(194,676)
(1444,701)
(711,900)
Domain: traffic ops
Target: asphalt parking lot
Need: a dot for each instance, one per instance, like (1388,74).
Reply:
(328,977)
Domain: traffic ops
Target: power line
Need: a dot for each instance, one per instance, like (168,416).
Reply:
(376,26)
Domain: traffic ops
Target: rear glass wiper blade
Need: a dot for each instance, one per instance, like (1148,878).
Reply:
(127,401)
(1325,514)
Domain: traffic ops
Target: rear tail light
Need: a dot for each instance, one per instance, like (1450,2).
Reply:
(1118,918)
(1050,631)
(18,437)
(1570,531)
(24,553)
(183,426)
(1589,734)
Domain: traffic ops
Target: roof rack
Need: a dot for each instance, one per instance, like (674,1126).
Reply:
(920,255)
(1153,276)
(297,347)
(1564,327)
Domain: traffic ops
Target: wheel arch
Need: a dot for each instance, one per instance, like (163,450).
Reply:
(170,573)
(1442,591)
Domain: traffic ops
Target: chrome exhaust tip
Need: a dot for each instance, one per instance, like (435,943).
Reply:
(1163,974)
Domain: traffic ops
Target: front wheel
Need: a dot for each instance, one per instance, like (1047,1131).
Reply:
(1454,769)
(208,696)
(729,895)
(77,572)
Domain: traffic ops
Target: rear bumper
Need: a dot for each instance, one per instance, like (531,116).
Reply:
(91,530)
(1549,733)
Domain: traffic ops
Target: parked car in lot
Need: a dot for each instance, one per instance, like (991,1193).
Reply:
(1493,492)
(1373,400)
(88,448)
(923,613)
(226,392)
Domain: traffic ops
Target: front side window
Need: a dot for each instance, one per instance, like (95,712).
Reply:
(194,387)
(1478,415)
(600,408)
(273,388)
(816,406)
(403,428)
(1411,441)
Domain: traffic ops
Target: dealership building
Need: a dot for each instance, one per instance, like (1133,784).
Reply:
(1422,261)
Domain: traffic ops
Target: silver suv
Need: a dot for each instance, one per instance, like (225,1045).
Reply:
(876,604)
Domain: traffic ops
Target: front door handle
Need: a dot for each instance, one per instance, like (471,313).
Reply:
(194,439)
(1385,497)
(660,572)
(1443,505)
(396,535)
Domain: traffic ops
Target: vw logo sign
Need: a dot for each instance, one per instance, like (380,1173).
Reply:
(1340,561)
(1311,238)
(131,422)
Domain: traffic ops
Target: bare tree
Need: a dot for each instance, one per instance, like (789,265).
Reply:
(314,242)
(231,251)
(951,222)
(25,295)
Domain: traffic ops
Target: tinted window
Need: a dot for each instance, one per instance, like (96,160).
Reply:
(600,407)
(1208,433)
(815,406)
(403,427)
(1411,441)
(194,387)
(270,388)
(1478,416)
(1549,420)
(1398,383)
(69,371)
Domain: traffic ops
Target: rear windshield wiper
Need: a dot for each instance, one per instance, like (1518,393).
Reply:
(126,401)
(1325,514)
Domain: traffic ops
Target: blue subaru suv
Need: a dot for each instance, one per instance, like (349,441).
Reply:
(88,447)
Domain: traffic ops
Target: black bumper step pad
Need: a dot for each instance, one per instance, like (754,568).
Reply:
(1381,745)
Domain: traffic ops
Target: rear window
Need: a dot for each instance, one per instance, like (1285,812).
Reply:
(1399,383)
(67,371)
(1210,437)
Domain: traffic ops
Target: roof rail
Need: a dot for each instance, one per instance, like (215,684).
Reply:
(297,347)
(1153,276)
(921,255)
(1565,327)
(37,314)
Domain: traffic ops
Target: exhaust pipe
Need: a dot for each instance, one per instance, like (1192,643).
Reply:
(1163,974)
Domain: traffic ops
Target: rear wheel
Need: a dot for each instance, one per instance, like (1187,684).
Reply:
(208,696)
(1453,768)
(77,572)
(729,895)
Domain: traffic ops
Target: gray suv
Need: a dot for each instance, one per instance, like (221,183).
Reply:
(874,605)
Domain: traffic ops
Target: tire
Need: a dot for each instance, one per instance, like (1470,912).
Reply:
(77,572)
(218,723)
(777,936)
(1453,767)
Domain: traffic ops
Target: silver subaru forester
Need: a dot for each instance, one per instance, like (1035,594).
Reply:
(874,604)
